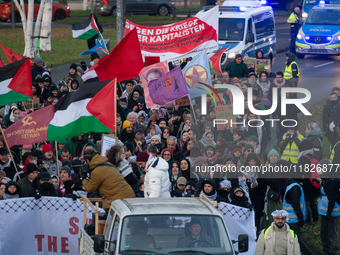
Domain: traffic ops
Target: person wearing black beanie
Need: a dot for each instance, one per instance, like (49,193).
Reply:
(73,74)
(12,190)
(26,183)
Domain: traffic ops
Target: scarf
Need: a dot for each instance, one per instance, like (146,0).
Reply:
(4,165)
(62,186)
(212,197)
(204,139)
(264,85)
(280,85)
(8,196)
(301,153)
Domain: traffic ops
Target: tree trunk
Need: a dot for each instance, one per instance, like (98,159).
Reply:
(21,9)
(29,30)
(45,44)
(38,25)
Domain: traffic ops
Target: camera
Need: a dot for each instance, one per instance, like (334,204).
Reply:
(85,170)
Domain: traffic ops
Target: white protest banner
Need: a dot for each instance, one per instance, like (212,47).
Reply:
(107,143)
(49,225)
(239,221)
(179,40)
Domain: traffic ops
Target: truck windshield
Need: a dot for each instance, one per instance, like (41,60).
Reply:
(231,29)
(324,17)
(174,234)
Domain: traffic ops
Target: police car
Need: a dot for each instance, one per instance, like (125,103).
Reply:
(309,4)
(245,27)
(320,34)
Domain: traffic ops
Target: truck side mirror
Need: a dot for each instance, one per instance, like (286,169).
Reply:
(243,243)
(99,243)
(250,37)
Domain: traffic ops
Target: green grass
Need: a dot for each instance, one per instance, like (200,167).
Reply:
(311,235)
(80,13)
(66,49)
(316,117)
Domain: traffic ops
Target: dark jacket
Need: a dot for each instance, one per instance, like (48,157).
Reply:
(240,201)
(316,139)
(329,114)
(42,190)
(237,70)
(76,146)
(256,194)
(36,70)
(25,186)
(133,102)
(331,188)
(10,170)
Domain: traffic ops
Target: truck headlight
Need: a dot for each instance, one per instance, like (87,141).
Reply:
(304,15)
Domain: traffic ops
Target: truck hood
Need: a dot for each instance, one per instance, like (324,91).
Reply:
(320,29)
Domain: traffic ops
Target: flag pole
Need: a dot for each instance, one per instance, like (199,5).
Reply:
(193,109)
(24,106)
(10,154)
(120,86)
(115,105)
(56,153)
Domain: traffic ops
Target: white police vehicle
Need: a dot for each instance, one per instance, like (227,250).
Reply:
(320,34)
(245,27)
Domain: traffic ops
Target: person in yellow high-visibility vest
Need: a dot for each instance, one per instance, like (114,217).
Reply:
(290,145)
(293,21)
(291,73)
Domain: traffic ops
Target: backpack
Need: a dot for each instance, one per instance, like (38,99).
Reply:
(313,168)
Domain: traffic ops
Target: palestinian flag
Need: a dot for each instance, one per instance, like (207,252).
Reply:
(215,62)
(89,109)
(85,30)
(15,82)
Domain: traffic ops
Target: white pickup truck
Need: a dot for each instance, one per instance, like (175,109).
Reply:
(152,226)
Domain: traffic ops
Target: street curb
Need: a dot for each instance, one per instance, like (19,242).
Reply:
(305,248)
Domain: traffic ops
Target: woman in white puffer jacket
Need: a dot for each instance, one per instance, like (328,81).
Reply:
(156,182)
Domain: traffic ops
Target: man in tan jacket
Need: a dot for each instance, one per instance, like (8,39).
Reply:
(106,179)
(278,239)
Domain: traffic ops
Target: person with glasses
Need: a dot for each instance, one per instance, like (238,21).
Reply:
(278,238)
(167,155)
(248,148)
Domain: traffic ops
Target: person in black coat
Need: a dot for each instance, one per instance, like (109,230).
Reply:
(238,198)
(127,134)
(257,186)
(311,192)
(6,164)
(332,190)
(293,198)
(44,188)
(328,115)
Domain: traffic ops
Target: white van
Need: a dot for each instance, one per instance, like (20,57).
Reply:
(245,27)
(161,226)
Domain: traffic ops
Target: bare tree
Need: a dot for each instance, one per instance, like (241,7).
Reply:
(27,24)
(37,26)
(45,44)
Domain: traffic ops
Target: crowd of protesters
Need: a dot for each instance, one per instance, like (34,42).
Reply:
(171,151)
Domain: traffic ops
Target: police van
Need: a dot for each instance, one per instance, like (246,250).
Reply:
(245,27)
(320,34)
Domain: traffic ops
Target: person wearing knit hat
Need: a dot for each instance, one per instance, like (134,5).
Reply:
(155,139)
(26,183)
(50,162)
(95,57)
(80,71)
(37,68)
(273,156)
(127,134)
(237,151)
(141,159)
(64,175)
(167,155)
(73,74)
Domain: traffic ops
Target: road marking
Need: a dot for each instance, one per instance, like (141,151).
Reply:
(325,64)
